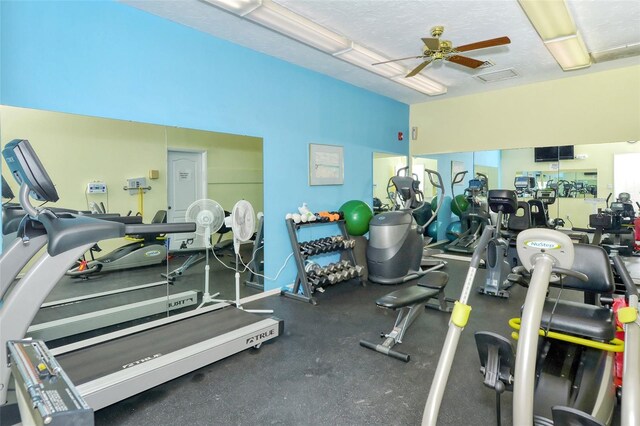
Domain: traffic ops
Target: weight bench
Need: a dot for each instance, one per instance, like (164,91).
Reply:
(410,302)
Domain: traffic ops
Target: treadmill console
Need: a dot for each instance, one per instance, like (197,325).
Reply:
(524,182)
(617,207)
(25,166)
(475,184)
(45,394)
(547,196)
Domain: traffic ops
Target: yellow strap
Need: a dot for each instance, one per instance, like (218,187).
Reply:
(460,314)
(141,201)
(615,345)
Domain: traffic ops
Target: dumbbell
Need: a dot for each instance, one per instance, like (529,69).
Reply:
(345,263)
(331,268)
(316,285)
(331,279)
(359,270)
(343,275)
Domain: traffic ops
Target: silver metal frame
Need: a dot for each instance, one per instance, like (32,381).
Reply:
(21,304)
(82,323)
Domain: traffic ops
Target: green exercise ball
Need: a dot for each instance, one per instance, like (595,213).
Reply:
(434,203)
(459,205)
(357,215)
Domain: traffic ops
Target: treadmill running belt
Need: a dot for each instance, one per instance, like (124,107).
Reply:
(112,356)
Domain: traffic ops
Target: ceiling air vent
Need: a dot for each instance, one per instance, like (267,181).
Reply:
(619,52)
(491,77)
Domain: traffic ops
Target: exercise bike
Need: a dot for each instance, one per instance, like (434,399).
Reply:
(566,378)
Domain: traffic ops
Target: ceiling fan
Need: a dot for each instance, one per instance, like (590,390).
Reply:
(436,49)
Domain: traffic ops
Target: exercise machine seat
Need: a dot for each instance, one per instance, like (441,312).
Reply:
(434,280)
(159,218)
(502,200)
(406,297)
(593,322)
(583,319)
(592,261)
(521,219)
(537,214)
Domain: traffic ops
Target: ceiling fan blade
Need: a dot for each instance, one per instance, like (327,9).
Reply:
(417,69)
(482,44)
(431,43)
(467,62)
(400,59)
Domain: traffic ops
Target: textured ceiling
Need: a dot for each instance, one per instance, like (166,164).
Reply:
(394,28)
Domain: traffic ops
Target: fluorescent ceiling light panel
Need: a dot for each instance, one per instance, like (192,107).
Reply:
(422,84)
(238,7)
(284,21)
(363,57)
(281,19)
(551,18)
(619,52)
(570,52)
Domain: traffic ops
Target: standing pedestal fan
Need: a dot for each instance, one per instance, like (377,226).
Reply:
(242,223)
(208,216)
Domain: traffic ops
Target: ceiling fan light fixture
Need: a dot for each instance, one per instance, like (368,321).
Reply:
(363,57)
(422,84)
(551,18)
(570,52)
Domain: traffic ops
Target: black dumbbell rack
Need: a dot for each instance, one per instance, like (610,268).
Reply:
(302,288)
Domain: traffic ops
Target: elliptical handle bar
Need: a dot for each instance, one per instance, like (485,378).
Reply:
(435,182)
(455,180)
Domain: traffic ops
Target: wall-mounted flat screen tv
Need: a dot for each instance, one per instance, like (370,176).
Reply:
(554,153)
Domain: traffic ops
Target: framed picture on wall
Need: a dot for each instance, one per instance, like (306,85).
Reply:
(326,164)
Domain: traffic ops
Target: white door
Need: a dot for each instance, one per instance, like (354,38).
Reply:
(187,183)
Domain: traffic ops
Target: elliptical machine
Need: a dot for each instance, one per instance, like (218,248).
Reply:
(475,218)
(394,252)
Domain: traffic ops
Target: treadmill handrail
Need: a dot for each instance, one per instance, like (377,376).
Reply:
(159,228)
(66,232)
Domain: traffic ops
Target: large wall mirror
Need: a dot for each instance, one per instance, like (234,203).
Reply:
(149,173)
(385,166)
(583,183)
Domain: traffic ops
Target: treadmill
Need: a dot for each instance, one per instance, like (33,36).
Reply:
(109,368)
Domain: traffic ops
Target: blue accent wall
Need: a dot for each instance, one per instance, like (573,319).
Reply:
(105,59)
